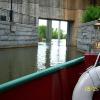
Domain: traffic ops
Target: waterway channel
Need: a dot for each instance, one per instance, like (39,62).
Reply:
(17,62)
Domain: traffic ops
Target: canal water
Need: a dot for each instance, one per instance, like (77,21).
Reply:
(17,62)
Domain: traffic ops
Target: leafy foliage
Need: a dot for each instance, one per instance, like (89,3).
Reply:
(91,13)
(56,32)
(42,32)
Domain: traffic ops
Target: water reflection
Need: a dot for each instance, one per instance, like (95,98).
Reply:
(18,62)
(51,55)
(72,53)
(48,57)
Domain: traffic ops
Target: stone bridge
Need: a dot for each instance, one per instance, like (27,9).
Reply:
(28,11)
(68,10)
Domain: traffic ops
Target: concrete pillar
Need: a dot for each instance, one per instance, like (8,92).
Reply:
(69,33)
(59,33)
(48,56)
(49,32)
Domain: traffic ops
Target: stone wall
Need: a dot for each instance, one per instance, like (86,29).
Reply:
(87,35)
(23,30)
(17,35)
(25,11)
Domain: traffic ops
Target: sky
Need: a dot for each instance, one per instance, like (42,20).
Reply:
(55,24)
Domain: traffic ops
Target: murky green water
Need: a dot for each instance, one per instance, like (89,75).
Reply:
(18,62)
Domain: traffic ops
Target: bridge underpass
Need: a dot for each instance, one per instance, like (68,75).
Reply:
(68,10)
(27,11)
(68,26)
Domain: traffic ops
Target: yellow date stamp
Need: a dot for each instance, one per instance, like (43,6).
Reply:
(92,88)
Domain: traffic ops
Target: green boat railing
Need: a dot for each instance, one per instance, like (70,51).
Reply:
(11,84)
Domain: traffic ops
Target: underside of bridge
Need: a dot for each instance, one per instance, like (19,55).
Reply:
(68,10)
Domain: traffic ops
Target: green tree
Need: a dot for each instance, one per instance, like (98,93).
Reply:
(61,34)
(42,31)
(91,13)
(55,34)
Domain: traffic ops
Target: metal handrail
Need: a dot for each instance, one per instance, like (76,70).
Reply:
(39,74)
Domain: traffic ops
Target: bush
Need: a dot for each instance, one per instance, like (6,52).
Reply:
(42,33)
(55,33)
(91,13)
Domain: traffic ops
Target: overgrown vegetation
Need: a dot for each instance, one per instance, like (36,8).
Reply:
(42,33)
(91,13)
(55,33)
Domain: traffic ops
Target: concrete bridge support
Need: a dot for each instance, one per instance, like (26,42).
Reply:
(26,11)
(49,32)
(59,33)
(69,34)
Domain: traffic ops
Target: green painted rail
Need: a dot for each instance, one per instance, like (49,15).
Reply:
(11,84)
